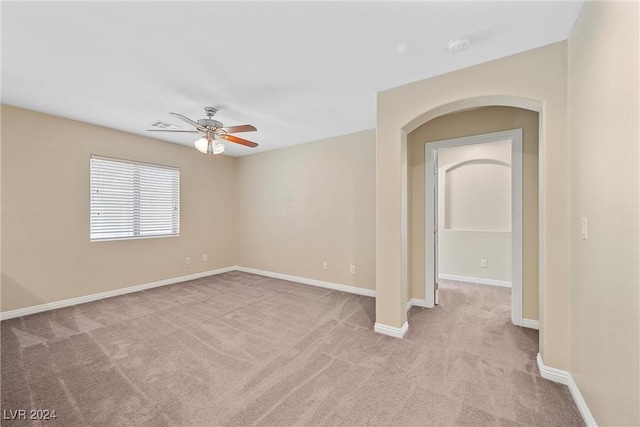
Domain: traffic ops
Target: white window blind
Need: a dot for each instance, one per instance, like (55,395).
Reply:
(133,200)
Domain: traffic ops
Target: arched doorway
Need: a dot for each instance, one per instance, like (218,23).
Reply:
(471,243)
(462,106)
(534,80)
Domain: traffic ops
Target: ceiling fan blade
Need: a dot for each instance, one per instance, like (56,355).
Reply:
(188,120)
(239,128)
(173,130)
(240,141)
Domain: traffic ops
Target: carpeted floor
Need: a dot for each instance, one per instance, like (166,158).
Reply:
(240,349)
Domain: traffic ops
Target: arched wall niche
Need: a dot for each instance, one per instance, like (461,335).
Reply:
(477,162)
(464,190)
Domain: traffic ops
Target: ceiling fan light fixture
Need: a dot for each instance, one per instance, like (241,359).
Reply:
(202,145)
(218,148)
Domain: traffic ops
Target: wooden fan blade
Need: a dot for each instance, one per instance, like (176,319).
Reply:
(188,120)
(173,130)
(240,141)
(239,128)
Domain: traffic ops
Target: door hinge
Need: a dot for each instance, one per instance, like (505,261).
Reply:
(435,286)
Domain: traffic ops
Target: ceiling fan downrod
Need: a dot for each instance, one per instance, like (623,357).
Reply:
(210,111)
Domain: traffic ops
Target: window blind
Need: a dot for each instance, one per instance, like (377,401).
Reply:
(133,200)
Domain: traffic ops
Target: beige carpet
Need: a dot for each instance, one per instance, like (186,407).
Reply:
(241,349)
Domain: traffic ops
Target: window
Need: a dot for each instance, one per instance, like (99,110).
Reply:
(132,200)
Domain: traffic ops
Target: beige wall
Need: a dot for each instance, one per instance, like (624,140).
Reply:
(311,203)
(46,253)
(474,211)
(1,209)
(604,139)
(534,80)
(461,251)
(475,122)
(284,211)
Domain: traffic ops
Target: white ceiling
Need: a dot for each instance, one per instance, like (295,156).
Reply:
(298,71)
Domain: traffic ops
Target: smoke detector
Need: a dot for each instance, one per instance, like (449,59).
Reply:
(458,44)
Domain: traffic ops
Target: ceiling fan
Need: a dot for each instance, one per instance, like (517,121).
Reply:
(213,132)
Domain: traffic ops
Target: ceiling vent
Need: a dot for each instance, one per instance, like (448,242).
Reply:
(159,124)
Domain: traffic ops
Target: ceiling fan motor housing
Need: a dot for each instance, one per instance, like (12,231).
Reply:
(210,123)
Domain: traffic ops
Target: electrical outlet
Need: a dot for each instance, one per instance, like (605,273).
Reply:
(352,269)
(188,260)
(585,234)
(483,263)
(205,258)
(324,265)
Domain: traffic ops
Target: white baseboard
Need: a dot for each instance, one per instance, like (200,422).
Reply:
(564,377)
(480,280)
(415,302)
(93,297)
(530,323)
(552,374)
(108,294)
(391,330)
(312,282)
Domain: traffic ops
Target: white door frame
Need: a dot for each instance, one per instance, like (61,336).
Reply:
(515,135)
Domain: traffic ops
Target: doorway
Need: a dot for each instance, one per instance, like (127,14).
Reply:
(494,218)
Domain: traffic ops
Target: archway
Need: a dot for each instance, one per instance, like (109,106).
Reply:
(480,233)
(449,108)
(464,107)
(533,80)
